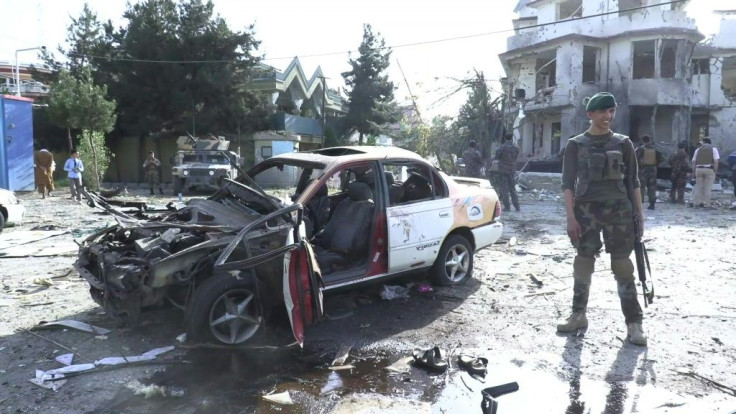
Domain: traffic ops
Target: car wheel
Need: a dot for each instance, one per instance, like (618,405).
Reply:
(225,310)
(454,264)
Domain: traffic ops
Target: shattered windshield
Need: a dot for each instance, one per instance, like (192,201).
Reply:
(283,180)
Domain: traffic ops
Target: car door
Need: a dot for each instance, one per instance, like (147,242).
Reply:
(302,284)
(417,221)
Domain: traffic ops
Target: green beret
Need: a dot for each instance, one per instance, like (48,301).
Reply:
(601,100)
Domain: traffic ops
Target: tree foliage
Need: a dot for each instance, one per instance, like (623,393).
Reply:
(77,103)
(480,118)
(370,93)
(95,155)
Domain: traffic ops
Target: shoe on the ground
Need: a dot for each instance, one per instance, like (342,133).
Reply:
(651,206)
(575,321)
(636,334)
(517,208)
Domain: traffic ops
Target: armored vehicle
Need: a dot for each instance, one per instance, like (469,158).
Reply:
(203,163)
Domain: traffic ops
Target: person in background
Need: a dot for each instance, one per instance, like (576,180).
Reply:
(506,156)
(649,158)
(732,165)
(74,168)
(705,165)
(44,166)
(680,164)
(473,160)
(151,166)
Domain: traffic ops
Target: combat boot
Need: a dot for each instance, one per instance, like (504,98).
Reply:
(577,320)
(636,334)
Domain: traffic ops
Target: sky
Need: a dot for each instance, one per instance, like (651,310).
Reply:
(476,29)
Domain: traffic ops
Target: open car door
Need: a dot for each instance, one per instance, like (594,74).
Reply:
(302,288)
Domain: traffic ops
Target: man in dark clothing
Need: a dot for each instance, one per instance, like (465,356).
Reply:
(598,167)
(473,160)
(506,156)
(649,158)
(732,166)
(680,164)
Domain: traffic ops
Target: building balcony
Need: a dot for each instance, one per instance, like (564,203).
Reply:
(659,91)
(614,26)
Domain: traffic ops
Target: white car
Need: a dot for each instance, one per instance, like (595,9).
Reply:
(11,210)
(296,224)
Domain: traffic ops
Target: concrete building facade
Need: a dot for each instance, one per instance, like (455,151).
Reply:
(668,83)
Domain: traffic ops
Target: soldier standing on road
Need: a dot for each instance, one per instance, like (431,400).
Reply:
(506,156)
(44,166)
(705,162)
(473,160)
(649,158)
(151,166)
(74,168)
(597,168)
(680,170)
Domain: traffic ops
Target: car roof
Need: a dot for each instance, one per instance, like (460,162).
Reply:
(340,155)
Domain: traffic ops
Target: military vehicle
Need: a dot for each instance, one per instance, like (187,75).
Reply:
(203,163)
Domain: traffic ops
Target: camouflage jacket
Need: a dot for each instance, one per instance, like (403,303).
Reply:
(506,156)
(473,162)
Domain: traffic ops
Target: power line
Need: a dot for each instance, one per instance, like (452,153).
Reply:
(427,42)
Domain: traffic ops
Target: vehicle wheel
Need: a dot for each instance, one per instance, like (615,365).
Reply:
(225,310)
(454,264)
(2,222)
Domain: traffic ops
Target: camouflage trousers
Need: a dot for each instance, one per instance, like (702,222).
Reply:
(613,218)
(506,186)
(677,192)
(648,179)
(152,178)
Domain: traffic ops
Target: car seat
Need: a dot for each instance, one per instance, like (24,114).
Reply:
(346,237)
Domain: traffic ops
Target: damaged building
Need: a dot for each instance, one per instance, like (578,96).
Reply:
(670,83)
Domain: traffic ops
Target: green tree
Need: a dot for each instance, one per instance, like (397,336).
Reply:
(370,93)
(480,118)
(94,153)
(77,103)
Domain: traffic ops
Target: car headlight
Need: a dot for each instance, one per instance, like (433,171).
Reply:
(212,172)
(186,172)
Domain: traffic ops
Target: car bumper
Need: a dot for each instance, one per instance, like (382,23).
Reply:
(15,213)
(487,235)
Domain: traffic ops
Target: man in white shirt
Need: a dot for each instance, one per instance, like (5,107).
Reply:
(705,165)
(74,167)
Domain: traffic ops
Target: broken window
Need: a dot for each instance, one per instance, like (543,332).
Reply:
(728,80)
(590,64)
(668,53)
(701,66)
(556,135)
(570,9)
(546,73)
(625,6)
(644,59)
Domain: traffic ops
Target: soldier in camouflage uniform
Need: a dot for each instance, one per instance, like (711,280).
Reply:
(506,156)
(598,166)
(648,158)
(473,160)
(150,166)
(680,164)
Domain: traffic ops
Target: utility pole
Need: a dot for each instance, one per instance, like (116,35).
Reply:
(17,66)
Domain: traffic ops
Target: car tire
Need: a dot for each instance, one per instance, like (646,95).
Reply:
(225,310)
(454,264)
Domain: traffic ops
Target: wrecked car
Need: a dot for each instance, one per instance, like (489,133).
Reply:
(293,226)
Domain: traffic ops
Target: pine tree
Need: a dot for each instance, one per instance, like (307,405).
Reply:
(370,93)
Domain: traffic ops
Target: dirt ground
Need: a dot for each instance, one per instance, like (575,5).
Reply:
(506,313)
